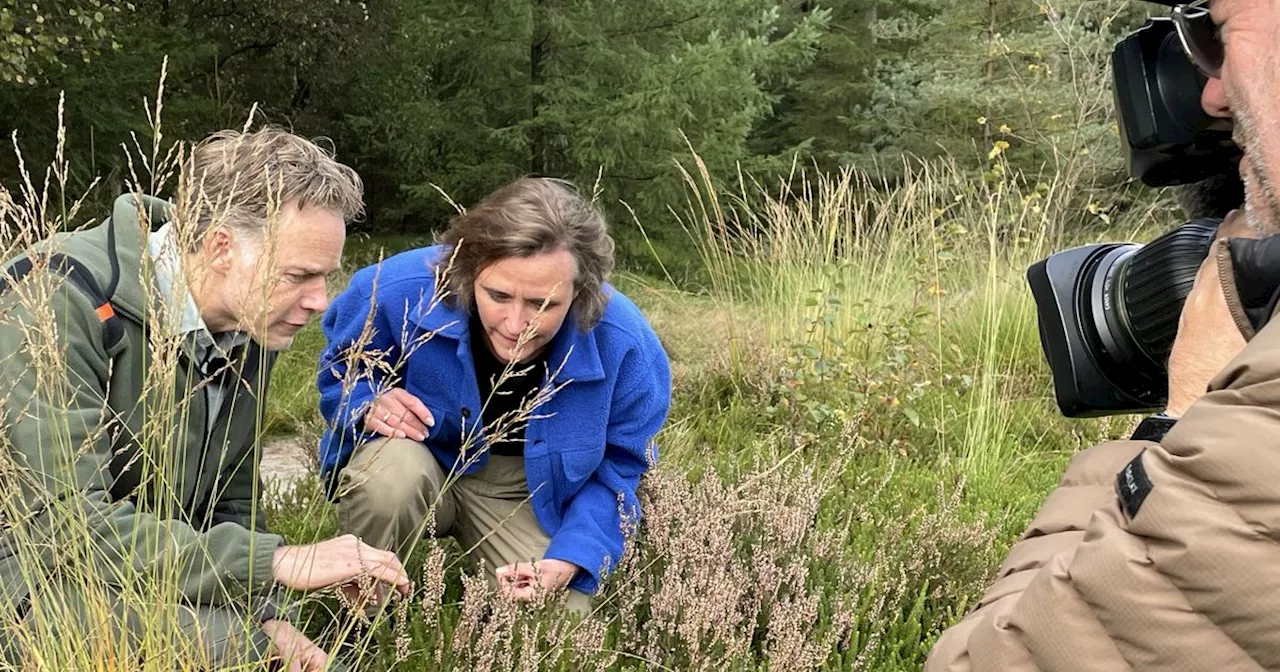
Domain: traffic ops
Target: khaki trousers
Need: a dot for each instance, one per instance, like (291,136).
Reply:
(391,485)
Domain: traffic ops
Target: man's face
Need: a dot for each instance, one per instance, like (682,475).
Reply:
(1246,92)
(275,283)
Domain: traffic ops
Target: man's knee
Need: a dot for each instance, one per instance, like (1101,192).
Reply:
(579,603)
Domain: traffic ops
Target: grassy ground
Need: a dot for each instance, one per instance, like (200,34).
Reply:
(862,423)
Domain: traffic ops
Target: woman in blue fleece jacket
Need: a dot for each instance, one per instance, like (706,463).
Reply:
(496,382)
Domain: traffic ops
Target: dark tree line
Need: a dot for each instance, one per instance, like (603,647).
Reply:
(458,96)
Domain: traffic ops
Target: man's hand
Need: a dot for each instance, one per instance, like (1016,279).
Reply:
(397,414)
(335,562)
(364,598)
(292,648)
(1207,335)
(530,580)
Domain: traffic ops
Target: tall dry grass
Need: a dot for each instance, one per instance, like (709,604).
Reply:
(918,285)
(861,423)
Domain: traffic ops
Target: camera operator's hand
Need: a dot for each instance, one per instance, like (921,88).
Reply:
(1208,337)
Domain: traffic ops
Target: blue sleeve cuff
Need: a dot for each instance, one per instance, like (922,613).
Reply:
(584,551)
(355,403)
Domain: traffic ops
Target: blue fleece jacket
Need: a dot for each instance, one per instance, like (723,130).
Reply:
(586,447)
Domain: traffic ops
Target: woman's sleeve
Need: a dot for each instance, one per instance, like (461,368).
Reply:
(592,535)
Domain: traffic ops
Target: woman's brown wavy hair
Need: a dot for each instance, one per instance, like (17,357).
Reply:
(527,217)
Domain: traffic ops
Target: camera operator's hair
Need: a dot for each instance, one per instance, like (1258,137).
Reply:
(239,179)
(1211,197)
(527,217)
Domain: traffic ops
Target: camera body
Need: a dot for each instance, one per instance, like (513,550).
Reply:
(1108,313)
(1167,136)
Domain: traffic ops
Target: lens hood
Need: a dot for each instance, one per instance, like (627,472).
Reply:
(1090,378)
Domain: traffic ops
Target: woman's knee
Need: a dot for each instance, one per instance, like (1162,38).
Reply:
(389,473)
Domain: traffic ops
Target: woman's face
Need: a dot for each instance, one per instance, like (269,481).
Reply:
(531,294)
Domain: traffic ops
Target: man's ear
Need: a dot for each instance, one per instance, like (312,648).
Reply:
(219,247)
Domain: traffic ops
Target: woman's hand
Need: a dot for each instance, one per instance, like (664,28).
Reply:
(396,414)
(529,580)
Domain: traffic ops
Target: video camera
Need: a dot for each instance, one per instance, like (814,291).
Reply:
(1108,313)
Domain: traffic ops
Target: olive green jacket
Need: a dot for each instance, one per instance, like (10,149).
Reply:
(109,468)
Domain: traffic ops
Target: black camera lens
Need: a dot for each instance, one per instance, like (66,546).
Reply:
(1155,283)
(1108,316)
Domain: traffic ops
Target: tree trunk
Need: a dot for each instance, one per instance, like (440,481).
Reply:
(989,65)
(873,15)
(989,71)
(539,52)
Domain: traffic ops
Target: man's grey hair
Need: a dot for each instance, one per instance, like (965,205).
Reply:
(241,179)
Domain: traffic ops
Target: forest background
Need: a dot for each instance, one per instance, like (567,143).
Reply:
(465,95)
(825,209)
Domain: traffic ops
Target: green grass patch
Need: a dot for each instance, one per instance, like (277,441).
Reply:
(862,425)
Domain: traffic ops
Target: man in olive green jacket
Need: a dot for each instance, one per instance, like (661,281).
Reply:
(135,357)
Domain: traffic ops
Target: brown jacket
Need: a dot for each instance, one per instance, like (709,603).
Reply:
(1151,556)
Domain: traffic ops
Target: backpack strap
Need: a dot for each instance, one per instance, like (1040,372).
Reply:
(82,278)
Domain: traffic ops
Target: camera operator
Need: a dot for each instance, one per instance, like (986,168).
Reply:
(1160,552)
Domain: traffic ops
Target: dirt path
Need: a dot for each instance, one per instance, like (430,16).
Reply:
(286,461)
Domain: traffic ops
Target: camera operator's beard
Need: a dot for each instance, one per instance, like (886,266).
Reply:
(1261,202)
(1214,196)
